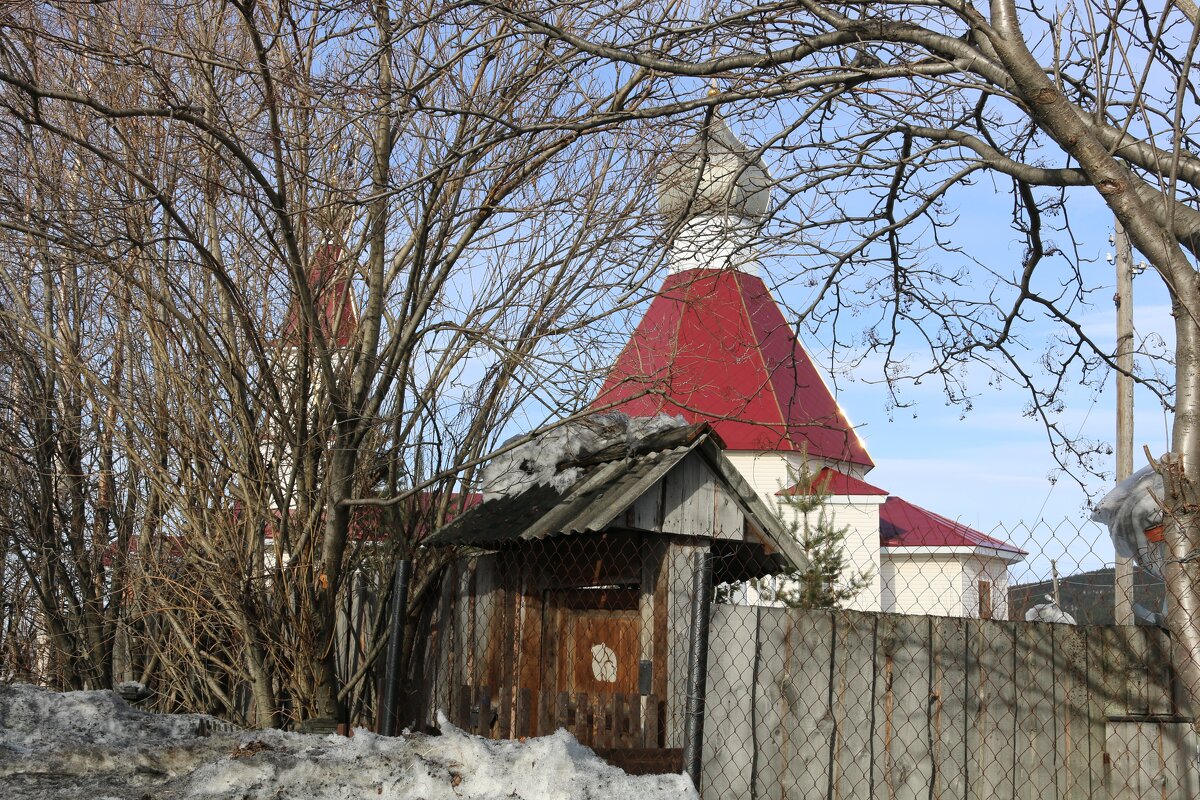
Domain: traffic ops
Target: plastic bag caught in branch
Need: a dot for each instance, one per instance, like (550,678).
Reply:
(1132,511)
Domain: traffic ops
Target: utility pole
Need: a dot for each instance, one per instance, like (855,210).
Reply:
(1123,568)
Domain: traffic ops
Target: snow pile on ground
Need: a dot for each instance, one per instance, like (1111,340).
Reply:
(92,746)
(537,462)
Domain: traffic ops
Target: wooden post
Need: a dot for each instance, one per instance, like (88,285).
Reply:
(1123,567)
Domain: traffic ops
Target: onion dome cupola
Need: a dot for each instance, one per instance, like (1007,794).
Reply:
(718,192)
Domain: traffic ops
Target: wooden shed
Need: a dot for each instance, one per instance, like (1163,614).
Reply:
(571,607)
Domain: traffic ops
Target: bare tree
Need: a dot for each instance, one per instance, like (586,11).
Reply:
(253,172)
(880,114)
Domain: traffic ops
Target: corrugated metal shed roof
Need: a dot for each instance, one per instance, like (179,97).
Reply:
(609,483)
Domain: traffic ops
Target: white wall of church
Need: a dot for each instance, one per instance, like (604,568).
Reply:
(942,584)
(994,572)
(768,472)
(922,583)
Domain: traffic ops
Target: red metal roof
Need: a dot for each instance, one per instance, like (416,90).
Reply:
(901,524)
(714,347)
(830,481)
(337,314)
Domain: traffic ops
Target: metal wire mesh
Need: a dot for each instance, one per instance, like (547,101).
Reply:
(591,633)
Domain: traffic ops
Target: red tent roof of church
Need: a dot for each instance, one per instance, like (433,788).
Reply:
(901,524)
(337,314)
(714,347)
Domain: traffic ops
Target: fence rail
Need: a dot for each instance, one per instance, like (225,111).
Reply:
(846,704)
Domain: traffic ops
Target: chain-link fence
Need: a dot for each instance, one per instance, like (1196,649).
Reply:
(551,618)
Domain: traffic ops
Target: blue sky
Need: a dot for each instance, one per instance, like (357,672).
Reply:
(992,467)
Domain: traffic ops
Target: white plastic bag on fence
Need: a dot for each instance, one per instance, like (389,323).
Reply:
(1049,611)
(1133,507)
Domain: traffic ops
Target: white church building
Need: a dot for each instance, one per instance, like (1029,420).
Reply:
(715,347)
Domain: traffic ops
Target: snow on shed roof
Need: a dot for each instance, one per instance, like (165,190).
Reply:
(830,481)
(714,347)
(902,524)
(608,483)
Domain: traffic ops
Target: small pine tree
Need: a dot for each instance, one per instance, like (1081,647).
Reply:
(827,581)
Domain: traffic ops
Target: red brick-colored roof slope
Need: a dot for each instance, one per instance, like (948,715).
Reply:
(714,347)
(901,524)
(337,313)
(832,482)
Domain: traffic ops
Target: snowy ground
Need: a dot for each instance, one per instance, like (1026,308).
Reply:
(93,746)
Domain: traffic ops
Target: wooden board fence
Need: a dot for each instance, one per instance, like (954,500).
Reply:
(843,704)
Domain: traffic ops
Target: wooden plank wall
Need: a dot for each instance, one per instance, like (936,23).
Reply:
(857,705)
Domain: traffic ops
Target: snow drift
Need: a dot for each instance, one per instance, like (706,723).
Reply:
(93,746)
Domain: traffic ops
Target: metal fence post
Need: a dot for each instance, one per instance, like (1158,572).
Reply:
(693,732)
(397,614)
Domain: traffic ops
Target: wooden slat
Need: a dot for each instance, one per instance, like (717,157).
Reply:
(729,522)
(1037,768)
(621,735)
(678,634)
(646,513)
(636,727)
(903,764)
(1156,654)
(522,725)
(649,643)
(1096,728)
(529,656)
(583,718)
(729,748)
(653,721)
(1072,711)
(1126,775)
(687,508)
(562,711)
(545,713)
(604,716)
(462,710)
(990,695)
(1138,685)
(770,706)
(504,715)
(853,707)
(948,698)
(488,621)
(808,727)
(446,676)
(1106,670)
(485,727)
(659,570)
(1181,772)
(641,761)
